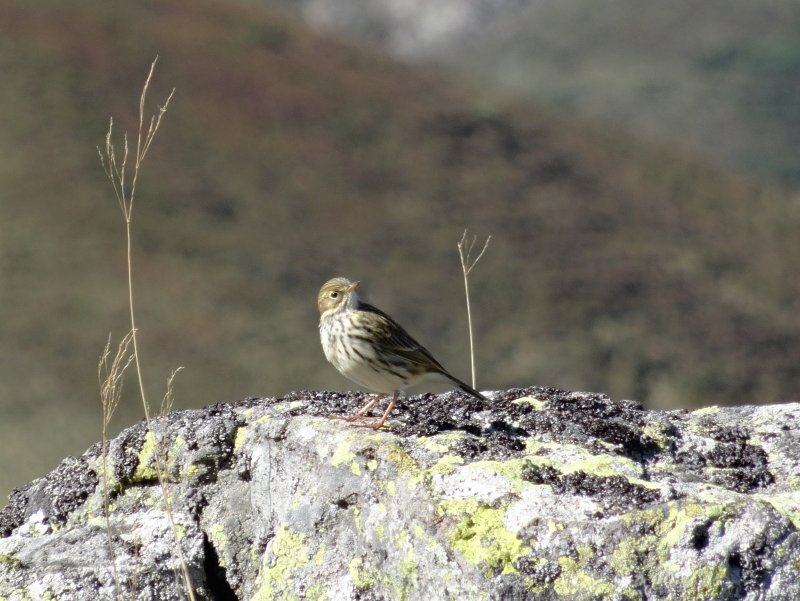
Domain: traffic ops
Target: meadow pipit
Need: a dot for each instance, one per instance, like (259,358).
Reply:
(372,349)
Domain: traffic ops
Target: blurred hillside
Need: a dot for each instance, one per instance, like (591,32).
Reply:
(287,157)
(721,77)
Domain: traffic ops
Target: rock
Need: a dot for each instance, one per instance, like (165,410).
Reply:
(540,494)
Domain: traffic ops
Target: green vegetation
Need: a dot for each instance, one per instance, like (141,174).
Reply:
(721,79)
(289,157)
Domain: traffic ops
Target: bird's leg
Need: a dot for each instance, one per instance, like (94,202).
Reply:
(370,404)
(378,425)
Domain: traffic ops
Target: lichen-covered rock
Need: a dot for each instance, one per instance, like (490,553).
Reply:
(539,494)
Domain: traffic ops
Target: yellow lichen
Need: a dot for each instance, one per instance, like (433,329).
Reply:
(537,404)
(342,454)
(286,555)
(364,576)
(239,437)
(482,538)
(574,580)
(144,471)
(216,533)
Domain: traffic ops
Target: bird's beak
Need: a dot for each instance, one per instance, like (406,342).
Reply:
(352,287)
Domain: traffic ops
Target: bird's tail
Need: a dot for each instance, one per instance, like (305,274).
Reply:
(466,388)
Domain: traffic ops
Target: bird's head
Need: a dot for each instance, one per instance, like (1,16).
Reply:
(336,294)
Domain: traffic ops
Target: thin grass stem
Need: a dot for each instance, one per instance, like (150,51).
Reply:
(117,174)
(465,249)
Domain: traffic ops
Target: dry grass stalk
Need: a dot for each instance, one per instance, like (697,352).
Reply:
(116,169)
(109,376)
(116,172)
(465,248)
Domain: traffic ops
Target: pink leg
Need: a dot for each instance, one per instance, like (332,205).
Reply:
(379,424)
(361,411)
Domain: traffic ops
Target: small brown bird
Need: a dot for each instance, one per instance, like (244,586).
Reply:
(372,349)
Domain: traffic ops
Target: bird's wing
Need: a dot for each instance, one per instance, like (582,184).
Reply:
(394,339)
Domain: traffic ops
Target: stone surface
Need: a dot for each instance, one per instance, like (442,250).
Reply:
(540,494)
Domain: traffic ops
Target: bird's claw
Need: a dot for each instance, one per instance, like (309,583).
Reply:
(377,426)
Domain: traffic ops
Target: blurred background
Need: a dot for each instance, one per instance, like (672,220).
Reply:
(637,168)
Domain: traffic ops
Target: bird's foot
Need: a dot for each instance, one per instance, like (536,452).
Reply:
(350,418)
(374,425)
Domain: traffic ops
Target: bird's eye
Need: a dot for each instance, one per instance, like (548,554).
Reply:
(334,294)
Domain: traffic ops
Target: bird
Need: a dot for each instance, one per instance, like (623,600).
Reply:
(372,349)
